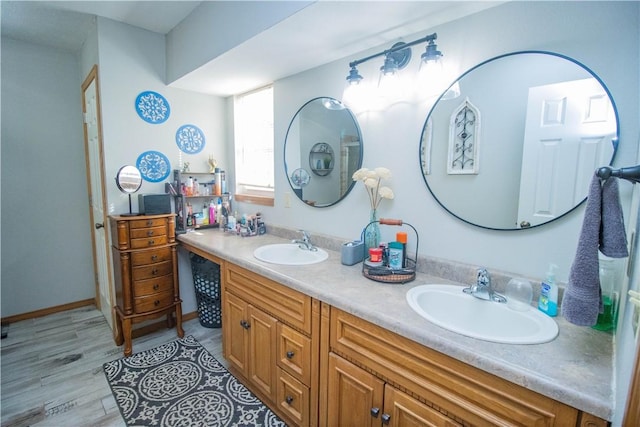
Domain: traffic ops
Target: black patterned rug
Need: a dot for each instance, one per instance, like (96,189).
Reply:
(181,384)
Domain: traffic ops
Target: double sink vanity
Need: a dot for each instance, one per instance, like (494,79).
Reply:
(323,345)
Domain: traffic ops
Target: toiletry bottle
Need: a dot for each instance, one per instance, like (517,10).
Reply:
(548,302)
(205,214)
(212,212)
(218,182)
(401,237)
(395,255)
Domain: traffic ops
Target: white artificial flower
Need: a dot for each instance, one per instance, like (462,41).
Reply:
(371,180)
(383,173)
(360,174)
(386,193)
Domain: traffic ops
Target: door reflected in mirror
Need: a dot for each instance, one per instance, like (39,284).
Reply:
(543,124)
(322,150)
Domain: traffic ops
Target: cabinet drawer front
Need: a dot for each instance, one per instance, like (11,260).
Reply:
(153,302)
(148,242)
(148,223)
(153,286)
(473,395)
(288,305)
(294,353)
(141,233)
(293,398)
(150,256)
(153,270)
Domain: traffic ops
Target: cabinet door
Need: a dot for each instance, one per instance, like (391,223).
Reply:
(402,410)
(355,397)
(234,337)
(262,351)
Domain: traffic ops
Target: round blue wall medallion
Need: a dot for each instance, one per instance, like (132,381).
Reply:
(152,107)
(154,166)
(190,139)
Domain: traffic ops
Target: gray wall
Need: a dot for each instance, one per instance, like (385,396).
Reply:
(46,240)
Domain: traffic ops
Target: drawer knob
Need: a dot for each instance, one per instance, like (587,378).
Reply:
(149,222)
(154,257)
(290,354)
(289,399)
(156,303)
(375,412)
(245,324)
(156,287)
(386,418)
(154,271)
(150,233)
(152,242)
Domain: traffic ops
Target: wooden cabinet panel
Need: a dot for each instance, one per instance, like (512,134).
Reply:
(145,261)
(293,398)
(262,351)
(402,410)
(355,397)
(153,302)
(143,233)
(294,353)
(151,256)
(152,270)
(152,286)
(156,221)
(235,344)
(288,305)
(474,396)
(148,242)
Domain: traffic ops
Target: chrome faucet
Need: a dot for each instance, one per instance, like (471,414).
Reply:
(305,242)
(483,288)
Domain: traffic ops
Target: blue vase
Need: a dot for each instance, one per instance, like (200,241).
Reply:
(372,232)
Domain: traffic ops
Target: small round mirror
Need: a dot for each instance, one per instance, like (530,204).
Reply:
(129,180)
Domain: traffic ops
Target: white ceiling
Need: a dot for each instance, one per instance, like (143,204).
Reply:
(320,33)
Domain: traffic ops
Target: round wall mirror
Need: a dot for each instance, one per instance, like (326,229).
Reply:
(519,146)
(128,181)
(322,150)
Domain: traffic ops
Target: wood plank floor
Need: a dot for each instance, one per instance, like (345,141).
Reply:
(51,368)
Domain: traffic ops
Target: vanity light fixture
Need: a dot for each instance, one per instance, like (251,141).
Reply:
(395,59)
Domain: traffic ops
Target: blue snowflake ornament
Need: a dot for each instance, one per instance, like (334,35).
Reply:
(190,139)
(152,107)
(154,166)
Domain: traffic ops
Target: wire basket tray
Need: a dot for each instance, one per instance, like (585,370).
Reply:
(383,273)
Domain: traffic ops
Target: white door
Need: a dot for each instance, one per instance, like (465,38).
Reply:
(568,132)
(93,150)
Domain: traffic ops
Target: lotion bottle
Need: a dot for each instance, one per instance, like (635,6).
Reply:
(548,302)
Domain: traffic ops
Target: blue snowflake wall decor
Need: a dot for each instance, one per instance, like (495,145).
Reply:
(154,166)
(152,107)
(190,139)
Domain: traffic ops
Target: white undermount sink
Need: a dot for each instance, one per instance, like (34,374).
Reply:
(289,254)
(450,308)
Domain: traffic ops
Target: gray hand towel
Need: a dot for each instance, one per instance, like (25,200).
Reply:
(602,228)
(613,238)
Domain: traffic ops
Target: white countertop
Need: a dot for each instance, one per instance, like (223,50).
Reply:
(576,368)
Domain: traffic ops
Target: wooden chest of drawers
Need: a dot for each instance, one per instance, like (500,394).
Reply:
(146,273)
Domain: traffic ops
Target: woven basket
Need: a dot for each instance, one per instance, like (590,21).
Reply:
(385,274)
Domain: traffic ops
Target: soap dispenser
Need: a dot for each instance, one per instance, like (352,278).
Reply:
(548,302)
